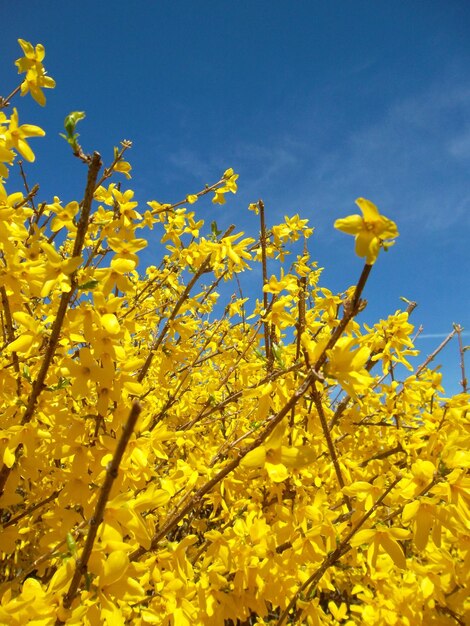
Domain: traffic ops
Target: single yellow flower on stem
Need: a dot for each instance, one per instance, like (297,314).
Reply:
(371,231)
(16,136)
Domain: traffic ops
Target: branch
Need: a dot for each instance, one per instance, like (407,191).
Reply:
(95,521)
(329,441)
(39,383)
(351,308)
(433,355)
(262,240)
(342,548)
(4,102)
(463,382)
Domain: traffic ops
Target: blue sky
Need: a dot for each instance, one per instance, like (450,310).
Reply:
(313,103)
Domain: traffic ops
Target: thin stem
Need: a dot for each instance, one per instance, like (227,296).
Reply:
(301,320)
(433,355)
(463,382)
(10,336)
(351,308)
(331,447)
(172,207)
(30,192)
(4,102)
(267,334)
(126,144)
(29,510)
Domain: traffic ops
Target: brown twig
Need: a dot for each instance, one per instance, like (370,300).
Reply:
(342,548)
(30,193)
(301,319)
(4,102)
(39,383)
(126,144)
(31,509)
(464,381)
(351,308)
(331,447)
(433,355)
(263,237)
(300,328)
(171,207)
(445,610)
(10,336)
(95,521)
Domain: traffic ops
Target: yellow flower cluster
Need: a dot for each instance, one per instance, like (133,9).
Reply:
(168,460)
(36,76)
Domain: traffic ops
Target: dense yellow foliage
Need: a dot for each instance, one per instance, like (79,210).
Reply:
(170,460)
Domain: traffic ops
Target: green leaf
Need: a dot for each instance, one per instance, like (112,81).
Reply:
(62,384)
(91,284)
(69,124)
(214,230)
(71,545)
(72,120)
(277,352)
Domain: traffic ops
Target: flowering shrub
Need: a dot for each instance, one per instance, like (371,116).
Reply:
(261,465)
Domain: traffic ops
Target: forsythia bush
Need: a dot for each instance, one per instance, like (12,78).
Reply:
(168,460)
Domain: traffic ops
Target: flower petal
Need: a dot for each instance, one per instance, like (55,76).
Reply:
(351,225)
(369,210)
(393,549)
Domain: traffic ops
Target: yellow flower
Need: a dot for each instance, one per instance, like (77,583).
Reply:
(15,136)
(64,216)
(6,155)
(291,230)
(288,283)
(126,248)
(278,459)
(422,515)
(230,186)
(58,270)
(83,370)
(422,474)
(371,230)
(126,206)
(347,365)
(29,333)
(219,197)
(116,275)
(340,612)
(382,538)
(36,78)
